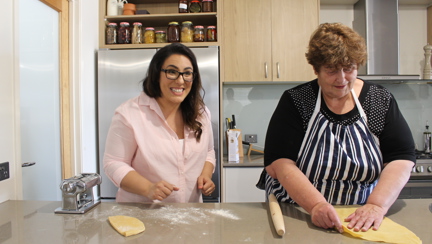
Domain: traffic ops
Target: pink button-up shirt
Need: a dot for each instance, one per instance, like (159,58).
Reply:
(140,139)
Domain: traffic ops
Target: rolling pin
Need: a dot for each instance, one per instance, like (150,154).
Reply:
(276,215)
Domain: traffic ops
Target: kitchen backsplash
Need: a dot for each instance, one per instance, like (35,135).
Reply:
(253,106)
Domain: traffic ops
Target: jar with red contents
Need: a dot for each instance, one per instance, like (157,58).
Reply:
(124,33)
(211,33)
(173,32)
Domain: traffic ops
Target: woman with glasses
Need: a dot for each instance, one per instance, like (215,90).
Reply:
(160,144)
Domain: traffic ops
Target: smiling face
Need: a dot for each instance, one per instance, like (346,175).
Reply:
(336,82)
(175,91)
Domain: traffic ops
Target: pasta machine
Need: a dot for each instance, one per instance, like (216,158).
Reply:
(77,193)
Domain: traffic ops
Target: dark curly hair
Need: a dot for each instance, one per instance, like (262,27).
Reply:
(336,45)
(193,105)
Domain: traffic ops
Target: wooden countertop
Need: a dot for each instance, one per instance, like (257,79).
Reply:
(35,222)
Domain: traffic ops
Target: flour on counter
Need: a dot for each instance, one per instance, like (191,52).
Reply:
(167,215)
(188,215)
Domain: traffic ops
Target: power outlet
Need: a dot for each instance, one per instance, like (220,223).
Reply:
(4,171)
(251,138)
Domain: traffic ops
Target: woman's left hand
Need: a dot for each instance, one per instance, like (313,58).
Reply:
(366,216)
(206,185)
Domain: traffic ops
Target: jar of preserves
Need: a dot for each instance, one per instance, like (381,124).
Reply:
(124,35)
(211,33)
(199,35)
(149,35)
(173,32)
(160,36)
(195,6)
(111,33)
(187,32)
(183,6)
(137,33)
(207,5)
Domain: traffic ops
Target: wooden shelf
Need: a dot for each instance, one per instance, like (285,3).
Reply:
(159,20)
(158,45)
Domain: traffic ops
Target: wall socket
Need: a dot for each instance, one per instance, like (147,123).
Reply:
(251,138)
(4,171)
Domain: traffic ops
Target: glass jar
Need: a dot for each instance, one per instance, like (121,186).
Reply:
(207,5)
(161,36)
(211,33)
(124,35)
(137,33)
(149,35)
(183,6)
(111,33)
(173,32)
(186,32)
(195,6)
(199,35)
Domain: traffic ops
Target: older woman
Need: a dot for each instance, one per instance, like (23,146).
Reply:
(160,144)
(338,139)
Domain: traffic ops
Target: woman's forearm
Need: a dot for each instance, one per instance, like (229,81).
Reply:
(135,183)
(392,179)
(207,169)
(295,183)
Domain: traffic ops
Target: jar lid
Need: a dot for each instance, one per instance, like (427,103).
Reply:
(160,31)
(187,22)
(149,28)
(124,23)
(207,0)
(195,1)
(211,27)
(173,23)
(112,24)
(137,23)
(199,26)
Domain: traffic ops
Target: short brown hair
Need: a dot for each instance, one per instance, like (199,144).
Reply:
(336,45)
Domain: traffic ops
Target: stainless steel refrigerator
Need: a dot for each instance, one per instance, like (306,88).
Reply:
(120,75)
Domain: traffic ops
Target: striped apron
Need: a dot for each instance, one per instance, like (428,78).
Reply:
(343,162)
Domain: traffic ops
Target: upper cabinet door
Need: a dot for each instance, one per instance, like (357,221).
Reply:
(266,40)
(293,22)
(246,41)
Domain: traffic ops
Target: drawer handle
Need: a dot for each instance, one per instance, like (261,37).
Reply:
(266,69)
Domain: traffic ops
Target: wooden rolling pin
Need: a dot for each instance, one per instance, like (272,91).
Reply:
(276,215)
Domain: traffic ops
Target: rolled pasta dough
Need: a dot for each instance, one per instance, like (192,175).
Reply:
(389,231)
(126,225)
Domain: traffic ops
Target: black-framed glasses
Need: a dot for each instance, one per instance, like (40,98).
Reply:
(173,74)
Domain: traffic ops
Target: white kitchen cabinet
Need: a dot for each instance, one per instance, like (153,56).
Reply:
(239,184)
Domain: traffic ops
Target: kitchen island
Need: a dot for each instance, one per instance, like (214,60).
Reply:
(35,222)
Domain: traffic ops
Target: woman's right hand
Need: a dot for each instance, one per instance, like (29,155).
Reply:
(324,215)
(160,190)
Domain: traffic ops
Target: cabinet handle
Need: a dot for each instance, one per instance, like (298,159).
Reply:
(266,69)
(278,70)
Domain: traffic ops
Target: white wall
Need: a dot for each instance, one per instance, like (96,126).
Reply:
(7,60)
(85,36)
